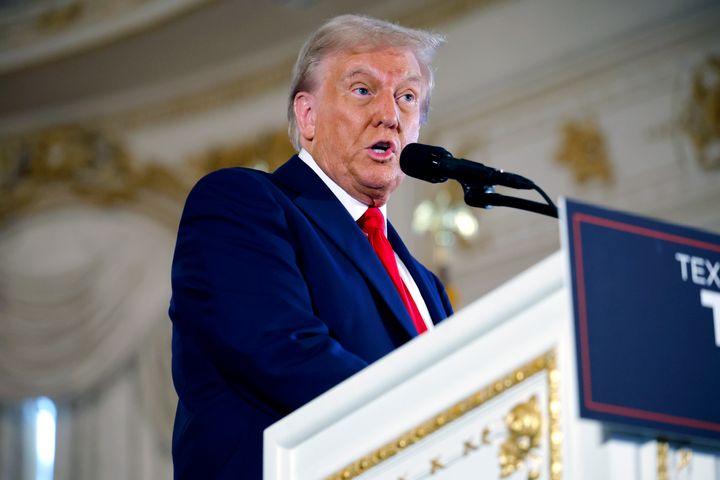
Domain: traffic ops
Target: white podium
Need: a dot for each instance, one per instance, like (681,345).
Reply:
(490,393)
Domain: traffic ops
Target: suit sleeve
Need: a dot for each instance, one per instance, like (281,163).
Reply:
(238,291)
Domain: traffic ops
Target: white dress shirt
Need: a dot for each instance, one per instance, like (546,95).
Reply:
(356,209)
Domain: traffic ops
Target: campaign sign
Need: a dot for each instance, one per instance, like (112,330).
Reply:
(646,300)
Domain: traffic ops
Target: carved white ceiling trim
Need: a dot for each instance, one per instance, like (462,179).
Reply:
(270,69)
(33,33)
(265,70)
(638,55)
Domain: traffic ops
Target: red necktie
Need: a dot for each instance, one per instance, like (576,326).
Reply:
(373,224)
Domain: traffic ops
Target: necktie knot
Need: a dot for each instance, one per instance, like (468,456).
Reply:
(371,220)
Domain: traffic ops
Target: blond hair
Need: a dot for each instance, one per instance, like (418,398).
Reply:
(350,32)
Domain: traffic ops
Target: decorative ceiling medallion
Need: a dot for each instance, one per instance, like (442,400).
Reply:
(583,149)
(701,121)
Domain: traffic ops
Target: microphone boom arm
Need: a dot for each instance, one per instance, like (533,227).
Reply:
(484,196)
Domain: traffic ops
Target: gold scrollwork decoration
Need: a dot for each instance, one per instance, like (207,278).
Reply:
(436,465)
(701,120)
(469,446)
(265,152)
(556,435)
(684,459)
(662,460)
(95,166)
(583,150)
(77,160)
(667,461)
(524,430)
(546,362)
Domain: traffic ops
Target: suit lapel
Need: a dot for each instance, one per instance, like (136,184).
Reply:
(327,213)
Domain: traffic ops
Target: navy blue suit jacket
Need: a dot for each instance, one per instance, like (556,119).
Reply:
(277,296)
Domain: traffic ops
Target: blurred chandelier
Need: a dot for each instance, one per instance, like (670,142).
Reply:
(446,219)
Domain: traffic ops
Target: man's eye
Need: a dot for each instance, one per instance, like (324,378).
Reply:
(408,97)
(362,91)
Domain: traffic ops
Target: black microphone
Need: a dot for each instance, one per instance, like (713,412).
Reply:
(435,165)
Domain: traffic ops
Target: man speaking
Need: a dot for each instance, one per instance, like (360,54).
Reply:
(286,284)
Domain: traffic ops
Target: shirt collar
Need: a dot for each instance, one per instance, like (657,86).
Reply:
(355,208)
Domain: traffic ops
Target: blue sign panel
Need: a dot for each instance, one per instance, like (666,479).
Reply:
(646,300)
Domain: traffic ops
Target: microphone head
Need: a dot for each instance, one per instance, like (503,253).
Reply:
(424,162)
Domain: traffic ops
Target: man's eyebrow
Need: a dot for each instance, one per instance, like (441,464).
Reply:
(415,79)
(364,71)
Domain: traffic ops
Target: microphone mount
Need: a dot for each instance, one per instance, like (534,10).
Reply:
(485,197)
(476,179)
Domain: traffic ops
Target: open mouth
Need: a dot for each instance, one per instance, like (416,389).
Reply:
(380,147)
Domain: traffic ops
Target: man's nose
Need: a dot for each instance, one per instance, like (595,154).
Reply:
(386,111)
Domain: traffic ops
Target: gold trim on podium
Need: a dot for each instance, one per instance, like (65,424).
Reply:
(546,362)
(682,458)
(662,460)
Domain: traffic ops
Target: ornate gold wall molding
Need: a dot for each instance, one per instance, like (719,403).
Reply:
(89,165)
(75,161)
(266,151)
(583,150)
(701,119)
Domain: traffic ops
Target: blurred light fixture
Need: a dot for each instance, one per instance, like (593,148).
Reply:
(449,222)
(446,219)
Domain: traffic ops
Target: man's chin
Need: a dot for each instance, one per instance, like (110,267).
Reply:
(379,192)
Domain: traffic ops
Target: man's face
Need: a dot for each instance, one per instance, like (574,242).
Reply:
(365,109)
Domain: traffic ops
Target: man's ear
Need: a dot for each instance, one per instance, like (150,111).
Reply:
(304,106)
